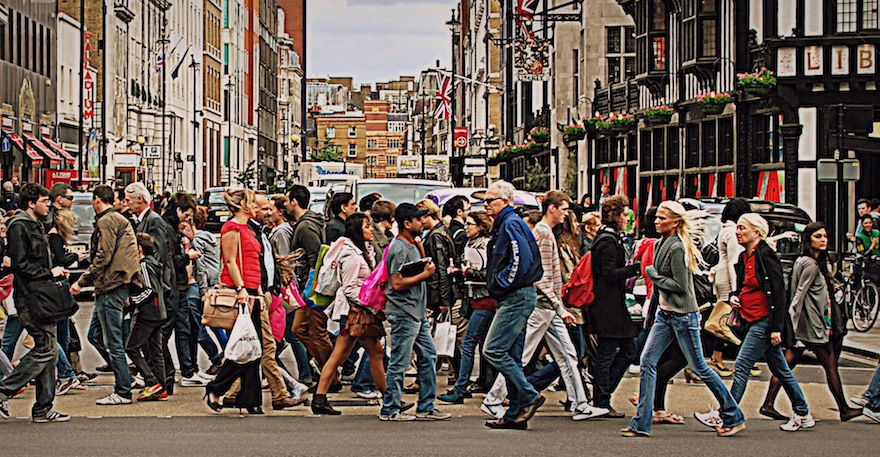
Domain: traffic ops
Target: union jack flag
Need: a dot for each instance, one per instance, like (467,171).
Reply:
(525,9)
(444,97)
(160,60)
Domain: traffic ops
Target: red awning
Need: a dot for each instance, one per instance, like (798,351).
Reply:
(36,158)
(16,140)
(54,159)
(71,161)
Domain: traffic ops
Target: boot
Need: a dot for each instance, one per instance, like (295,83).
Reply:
(320,405)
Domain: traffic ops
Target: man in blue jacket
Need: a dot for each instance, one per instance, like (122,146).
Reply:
(514,266)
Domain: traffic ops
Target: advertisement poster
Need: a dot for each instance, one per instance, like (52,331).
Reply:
(94,165)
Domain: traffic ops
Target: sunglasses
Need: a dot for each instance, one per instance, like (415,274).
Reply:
(68,197)
(488,201)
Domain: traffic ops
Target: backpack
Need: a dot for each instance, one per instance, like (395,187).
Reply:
(578,291)
(312,298)
(328,278)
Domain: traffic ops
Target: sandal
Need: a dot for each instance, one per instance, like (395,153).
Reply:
(634,400)
(667,418)
(719,367)
(630,433)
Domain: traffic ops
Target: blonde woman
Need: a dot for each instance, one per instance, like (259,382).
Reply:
(676,259)
(760,300)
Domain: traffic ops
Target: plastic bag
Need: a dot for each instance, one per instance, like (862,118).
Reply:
(244,344)
(444,335)
(372,293)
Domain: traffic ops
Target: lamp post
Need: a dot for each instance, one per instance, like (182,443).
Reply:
(194,66)
(178,165)
(228,114)
(455,27)
(141,141)
(164,42)
(295,142)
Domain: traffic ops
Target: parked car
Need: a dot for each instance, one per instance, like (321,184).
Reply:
(85,214)
(318,196)
(218,210)
(395,190)
(475,196)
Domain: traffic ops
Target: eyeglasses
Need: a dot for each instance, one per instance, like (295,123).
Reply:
(68,197)
(488,201)
(469,223)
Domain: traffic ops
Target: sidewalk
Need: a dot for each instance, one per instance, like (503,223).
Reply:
(863,344)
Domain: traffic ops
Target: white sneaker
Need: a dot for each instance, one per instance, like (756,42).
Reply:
(859,400)
(873,415)
(205,376)
(634,369)
(798,422)
(369,395)
(589,414)
(712,419)
(299,391)
(137,382)
(496,411)
(113,400)
(193,381)
(397,417)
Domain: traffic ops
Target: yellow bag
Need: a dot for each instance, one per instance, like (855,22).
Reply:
(716,324)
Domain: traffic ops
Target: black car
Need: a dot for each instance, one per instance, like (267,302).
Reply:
(218,210)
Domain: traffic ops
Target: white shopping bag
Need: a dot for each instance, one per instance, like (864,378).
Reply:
(244,344)
(444,335)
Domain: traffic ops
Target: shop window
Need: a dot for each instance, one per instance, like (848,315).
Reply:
(659,146)
(692,143)
(709,144)
(619,52)
(673,151)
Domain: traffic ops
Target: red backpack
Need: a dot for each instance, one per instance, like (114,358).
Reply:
(578,291)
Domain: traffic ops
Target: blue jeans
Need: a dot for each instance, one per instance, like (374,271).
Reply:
(204,340)
(303,368)
(363,379)
(504,346)
(684,329)
(757,344)
(478,328)
(185,336)
(873,392)
(11,335)
(105,333)
(408,334)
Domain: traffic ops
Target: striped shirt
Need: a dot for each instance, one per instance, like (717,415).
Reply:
(550,285)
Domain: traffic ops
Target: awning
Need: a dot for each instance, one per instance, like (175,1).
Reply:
(16,140)
(54,159)
(71,161)
(36,158)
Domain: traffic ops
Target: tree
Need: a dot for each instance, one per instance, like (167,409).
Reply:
(537,178)
(327,153)
(246,177)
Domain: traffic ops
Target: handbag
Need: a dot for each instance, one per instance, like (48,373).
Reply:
(717,323)
(372,293)
(244,345)
(49,300)
(221,303)
(444,335)
(365,323)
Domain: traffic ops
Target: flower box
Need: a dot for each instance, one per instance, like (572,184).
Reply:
(712,108)
(658,119)
(757,90)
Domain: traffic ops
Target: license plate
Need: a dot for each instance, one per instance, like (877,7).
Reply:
(223,218)
(223,213)
(77,248)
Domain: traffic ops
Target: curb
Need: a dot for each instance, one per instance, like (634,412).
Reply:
(862,352)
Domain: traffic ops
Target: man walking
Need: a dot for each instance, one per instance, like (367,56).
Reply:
(115,265)
(410,329)
(28,249)
(550,317)
(514,266)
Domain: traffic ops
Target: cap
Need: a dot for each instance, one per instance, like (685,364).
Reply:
(407,211)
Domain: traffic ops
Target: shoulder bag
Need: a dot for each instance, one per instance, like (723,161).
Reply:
(49,300)
(221,303)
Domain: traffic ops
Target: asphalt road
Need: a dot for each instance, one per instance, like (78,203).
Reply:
(366,436)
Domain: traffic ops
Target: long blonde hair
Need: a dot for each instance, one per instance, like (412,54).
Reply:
(65,223)
(690,227)
(238,199)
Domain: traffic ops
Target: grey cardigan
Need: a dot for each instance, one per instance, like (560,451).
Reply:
(808,298)
(673,278)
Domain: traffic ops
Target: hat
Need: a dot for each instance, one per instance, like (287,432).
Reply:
(408,211)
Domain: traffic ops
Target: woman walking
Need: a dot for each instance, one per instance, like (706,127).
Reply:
(676,258)
(759,298)
(813,319)
(363,325)
(240,260)
(477,226)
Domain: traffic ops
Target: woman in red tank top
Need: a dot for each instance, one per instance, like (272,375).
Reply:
(240,256)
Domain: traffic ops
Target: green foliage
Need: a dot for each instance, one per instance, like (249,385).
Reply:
(537,178)
(246,178)
(327,153)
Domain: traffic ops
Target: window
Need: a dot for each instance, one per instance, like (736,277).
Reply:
(700,29)
(620,57)
(330,132)
(392,160)
(857,15)
(352,150)
(352,132)
(651,34)
(575,76)
(394,143)
(396,126)
(372,143)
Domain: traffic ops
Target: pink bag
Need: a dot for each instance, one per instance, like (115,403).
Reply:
(277,318)
(372,294)
(291,295)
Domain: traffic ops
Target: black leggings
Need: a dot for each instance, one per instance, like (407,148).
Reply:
(826,355)
(671,362)
(250,394)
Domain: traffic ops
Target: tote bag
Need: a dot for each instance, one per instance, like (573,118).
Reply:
(372,293)
(244,344)
(444,335)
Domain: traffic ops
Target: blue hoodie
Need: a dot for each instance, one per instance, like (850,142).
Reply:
(514,260)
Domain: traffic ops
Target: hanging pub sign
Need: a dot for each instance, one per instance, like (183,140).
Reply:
(531,58)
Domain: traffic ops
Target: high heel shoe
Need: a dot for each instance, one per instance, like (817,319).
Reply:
(320,405)
(849,413)
(255,410)
(214,406)
(719,367)
(691,377)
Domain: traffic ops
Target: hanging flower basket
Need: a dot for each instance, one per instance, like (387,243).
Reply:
(758,90)
(758,83)
(658,115)
(540,135)
(712,108)
(713,102)
(574,132)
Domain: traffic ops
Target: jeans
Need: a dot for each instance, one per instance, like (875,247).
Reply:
(685,329)
(303,368)
(179,322)
(11,334)
(196,307)
(477,329)
(106,335)
(504,346)
(757,344)
(545,324)
(39,365)
(613,356)
(363,378)
(873,392)
(408,334)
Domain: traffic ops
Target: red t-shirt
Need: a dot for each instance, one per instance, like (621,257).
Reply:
(250,254)
(752,297)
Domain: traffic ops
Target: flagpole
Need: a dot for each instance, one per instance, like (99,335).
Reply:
(164,101)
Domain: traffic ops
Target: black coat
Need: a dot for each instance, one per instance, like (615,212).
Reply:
(768,270)
(440,247)
(28,249)
(609,316)
(153,225)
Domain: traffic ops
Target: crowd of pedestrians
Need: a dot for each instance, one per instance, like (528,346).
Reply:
(370,294)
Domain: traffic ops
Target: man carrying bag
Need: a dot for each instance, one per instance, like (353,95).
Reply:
(28,249)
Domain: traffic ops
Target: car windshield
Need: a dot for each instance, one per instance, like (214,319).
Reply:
(398,193)
(216,198)
(85,214)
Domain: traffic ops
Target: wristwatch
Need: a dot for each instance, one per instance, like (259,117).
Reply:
(239,288)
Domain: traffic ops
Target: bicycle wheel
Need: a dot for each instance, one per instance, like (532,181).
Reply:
(865,307)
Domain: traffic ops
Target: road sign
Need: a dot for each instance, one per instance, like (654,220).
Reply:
(6,145)
(281,184)
(461,136)
(826,170)
(152,152)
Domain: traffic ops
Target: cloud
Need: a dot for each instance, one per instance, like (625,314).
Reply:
(377,40)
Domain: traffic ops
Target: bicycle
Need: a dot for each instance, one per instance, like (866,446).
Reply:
(861,293)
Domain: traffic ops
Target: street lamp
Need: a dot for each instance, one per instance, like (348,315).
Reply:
(295,142)
(178,165)
(454,25)
(195,68)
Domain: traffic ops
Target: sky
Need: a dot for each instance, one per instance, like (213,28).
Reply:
(377,40)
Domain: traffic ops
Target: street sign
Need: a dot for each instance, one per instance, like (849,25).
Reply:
(826,170)
(6,145)
(152,152)
(474,166)
(461,136)
(281,184)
